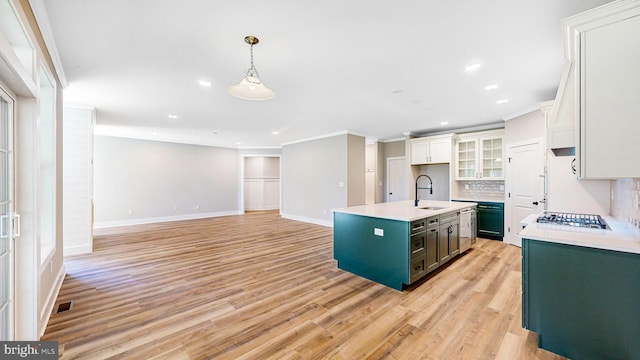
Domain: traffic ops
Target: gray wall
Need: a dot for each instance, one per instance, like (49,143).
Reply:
(440,175)
(162,181)
(317,176)
(526,127)
(394,148)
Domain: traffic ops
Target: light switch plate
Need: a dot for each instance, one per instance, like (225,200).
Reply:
(378,232)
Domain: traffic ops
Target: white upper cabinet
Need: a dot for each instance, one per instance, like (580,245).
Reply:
(431,150)
(608,65)
(479,156)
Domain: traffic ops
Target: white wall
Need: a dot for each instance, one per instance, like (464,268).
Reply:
(526,127)
(140,181)
(78,180)
(322,174)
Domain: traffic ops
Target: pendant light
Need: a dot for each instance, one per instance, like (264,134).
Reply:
(251,87)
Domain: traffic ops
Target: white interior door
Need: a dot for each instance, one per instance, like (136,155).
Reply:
(396,179)
(524,185)
(6,216)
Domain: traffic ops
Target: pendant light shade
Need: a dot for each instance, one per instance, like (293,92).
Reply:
(251,87)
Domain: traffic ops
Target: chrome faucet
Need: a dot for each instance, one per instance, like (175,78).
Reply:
(418,188)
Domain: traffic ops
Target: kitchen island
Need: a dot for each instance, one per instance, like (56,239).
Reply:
(580,289)
(397,243)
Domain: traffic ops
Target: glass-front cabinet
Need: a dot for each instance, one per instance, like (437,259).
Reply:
(492,154)
(467,157)
(479,156)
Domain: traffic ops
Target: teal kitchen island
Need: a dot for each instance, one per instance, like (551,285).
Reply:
(397,243)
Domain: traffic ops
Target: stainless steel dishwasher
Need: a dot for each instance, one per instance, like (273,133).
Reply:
(467,228)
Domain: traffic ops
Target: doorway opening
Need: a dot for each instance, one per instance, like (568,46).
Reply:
(261,182)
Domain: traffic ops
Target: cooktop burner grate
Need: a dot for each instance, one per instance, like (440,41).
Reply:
(571,219)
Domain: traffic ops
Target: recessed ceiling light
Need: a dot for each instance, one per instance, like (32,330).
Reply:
(491,87)
(275,132)
(204,83)
(172,116)
(154,133)
(502,101)
(238,142)
(444,123)
(472,67)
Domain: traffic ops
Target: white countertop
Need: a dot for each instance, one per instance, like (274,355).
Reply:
(404,210)
(621,237)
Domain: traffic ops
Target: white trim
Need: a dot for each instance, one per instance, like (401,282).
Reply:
(307,219)
(111,224)
(525,142)
(392,140)
(47,309)
(259,148)
(42,18)
(343,132)
(16,77)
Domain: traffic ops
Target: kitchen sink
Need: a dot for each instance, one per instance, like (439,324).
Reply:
(432,208)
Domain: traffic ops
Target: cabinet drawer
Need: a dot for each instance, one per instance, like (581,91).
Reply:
(448,217)
(433,221)
(418,243)
(417,268)
(418,226)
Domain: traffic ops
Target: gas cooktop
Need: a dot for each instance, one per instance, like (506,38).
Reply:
(575,220)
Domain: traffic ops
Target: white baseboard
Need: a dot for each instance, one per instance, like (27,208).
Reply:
(117,223)
(78,249)
(47,309)
(307,219)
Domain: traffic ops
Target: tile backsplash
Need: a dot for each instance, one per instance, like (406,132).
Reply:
(490,190)
(625,195)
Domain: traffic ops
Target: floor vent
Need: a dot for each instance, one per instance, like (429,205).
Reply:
(66,306)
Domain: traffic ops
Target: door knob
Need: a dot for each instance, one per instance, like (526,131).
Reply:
(535,203)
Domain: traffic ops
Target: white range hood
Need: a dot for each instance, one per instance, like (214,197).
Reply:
(561,122)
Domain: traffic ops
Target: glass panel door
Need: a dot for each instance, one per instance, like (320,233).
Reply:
(6,211)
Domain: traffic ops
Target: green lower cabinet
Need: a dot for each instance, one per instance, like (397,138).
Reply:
(490,220)
(432,249)
(448,237)
(583,303)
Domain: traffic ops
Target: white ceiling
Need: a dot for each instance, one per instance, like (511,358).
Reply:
(376,68)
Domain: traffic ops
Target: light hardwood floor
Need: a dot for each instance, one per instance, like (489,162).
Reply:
(260,287)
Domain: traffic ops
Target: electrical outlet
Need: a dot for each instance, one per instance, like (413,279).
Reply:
(197,207)
(378,232)
(130,212)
